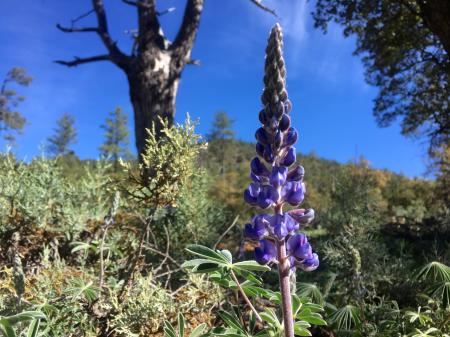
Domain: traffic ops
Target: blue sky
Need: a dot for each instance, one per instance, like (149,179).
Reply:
(332,103)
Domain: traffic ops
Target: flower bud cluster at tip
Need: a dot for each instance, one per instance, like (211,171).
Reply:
(276,180)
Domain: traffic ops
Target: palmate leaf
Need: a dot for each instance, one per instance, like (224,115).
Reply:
(346,317)
(213,261)
(79,288)
(435,271)
(441,290)
(311,291)
(429,333)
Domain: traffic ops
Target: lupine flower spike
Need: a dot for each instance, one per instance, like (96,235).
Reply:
(278,180)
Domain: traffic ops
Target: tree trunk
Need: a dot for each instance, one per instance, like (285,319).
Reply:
(153,82)
(436,16)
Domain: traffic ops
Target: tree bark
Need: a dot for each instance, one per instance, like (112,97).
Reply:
(436,16)
(153,82)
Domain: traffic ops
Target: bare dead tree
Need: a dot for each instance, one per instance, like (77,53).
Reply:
(154,66)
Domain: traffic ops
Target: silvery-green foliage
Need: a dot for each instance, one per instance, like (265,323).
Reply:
(144,309)
(39,195)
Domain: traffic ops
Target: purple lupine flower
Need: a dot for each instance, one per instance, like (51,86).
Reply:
(257,230)
(258,168)
(251,194)
(289,158)
(293,192)
(277,185)
(266,252)
(302,216)
(275,182)
(278,176)
(267,196)
(296,174)
(298,247)
(311,263)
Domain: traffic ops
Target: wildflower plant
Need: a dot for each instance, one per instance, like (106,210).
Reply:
(276,181)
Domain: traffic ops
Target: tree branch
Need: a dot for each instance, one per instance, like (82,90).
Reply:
(115,53)
(136,3)
(184,40)
(76,30)
(263,7)
(150,33)
(81,60)
(193,62)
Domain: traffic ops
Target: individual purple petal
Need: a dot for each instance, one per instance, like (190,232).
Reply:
(302,216)
(311,263)
(262,136)
(266,252)
(262,220)
(251,193)
(289,157)
(278,175)
(290,137)
(268,154)
(278,226)
(285,122)
(291,224)
(296,174)
(298,246)
(258,168)
(257,229)
(293,192)
(267,196)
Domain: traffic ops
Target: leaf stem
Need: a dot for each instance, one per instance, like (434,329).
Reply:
(246,299)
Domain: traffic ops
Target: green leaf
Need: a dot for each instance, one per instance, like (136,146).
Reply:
(207,253)
(6,328)
(301,330)
(227,255)
(311,291)
(436,271)
(33,329)
(313,318)
(25,316)
(198,331)
(169,330)
(232,321)
(250,266)
(346,317)
(181,325)
(296,304)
